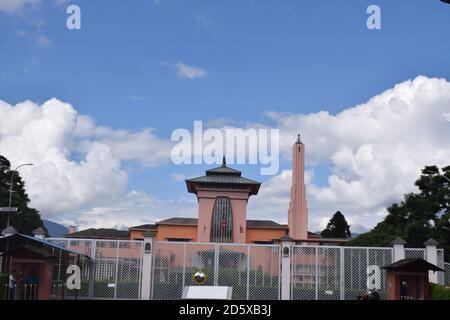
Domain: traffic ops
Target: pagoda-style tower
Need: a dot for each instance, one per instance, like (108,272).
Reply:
(222,204)
(298,209)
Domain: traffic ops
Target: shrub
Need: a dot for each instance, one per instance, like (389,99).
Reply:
(438,292)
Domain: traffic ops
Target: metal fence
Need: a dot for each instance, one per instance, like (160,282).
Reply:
(335,273)
(252,270)
(447,274)
(113,273)
(413,253)
(441,264)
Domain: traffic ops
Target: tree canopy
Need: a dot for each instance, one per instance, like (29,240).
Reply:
(28,218)
(337,227)
(421,215)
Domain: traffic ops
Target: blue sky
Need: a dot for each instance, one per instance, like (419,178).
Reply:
(298,57)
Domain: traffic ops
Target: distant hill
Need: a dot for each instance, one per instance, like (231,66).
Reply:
(54,229)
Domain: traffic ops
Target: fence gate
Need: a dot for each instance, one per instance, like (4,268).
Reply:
(113,273)
(335,273)
(252,270)
(356,262)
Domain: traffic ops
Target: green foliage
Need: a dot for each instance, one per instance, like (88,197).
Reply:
(420,216)
(438,292)
(29,218)
(337,227)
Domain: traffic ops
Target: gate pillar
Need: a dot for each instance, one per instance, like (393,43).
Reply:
(398,249)
(147,266)
(286,248)
(431,257)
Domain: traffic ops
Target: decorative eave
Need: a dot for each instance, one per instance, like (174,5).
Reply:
(398,241)
(223,177)
(430,242)
(9,231)
(286,238)
(39,231)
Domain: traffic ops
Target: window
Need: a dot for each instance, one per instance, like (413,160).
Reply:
(222,221)
(262,242)
(178,240)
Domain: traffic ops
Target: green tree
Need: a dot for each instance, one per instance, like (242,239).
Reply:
(337,227)
(421,215)
(28,218)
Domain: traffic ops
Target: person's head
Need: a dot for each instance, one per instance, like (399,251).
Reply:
(13,271)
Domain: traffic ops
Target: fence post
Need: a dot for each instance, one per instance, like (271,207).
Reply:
(399,249)
(92,268)
(342,274)
(431,256)
(147,266)
(216,263)
(286,247)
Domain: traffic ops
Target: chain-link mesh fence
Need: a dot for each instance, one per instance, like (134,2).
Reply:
(356,261)
(114,272)
(411,253)
(381,257)
(252,270)
(264,272)
(441,264)
(304,273)
(333,273)
(172,266)
(447,274)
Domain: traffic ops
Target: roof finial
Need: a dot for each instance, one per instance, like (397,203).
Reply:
(224,162)
(299,139)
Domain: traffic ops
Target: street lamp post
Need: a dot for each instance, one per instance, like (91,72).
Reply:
(11,188)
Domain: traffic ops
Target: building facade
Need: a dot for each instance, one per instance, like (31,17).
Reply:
(222,195)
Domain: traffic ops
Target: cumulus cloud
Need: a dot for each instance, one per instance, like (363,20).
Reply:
(376,151)
(188,72)
(134,208)
(77,163)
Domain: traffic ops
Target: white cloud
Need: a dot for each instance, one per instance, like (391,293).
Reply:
(134,208)
(203,20)
(61,2)
(376,151)
(447,116)
(136,98)
(16,7)
(12,7)
(178,177)
(52,135)
(189,72)
(43,41)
